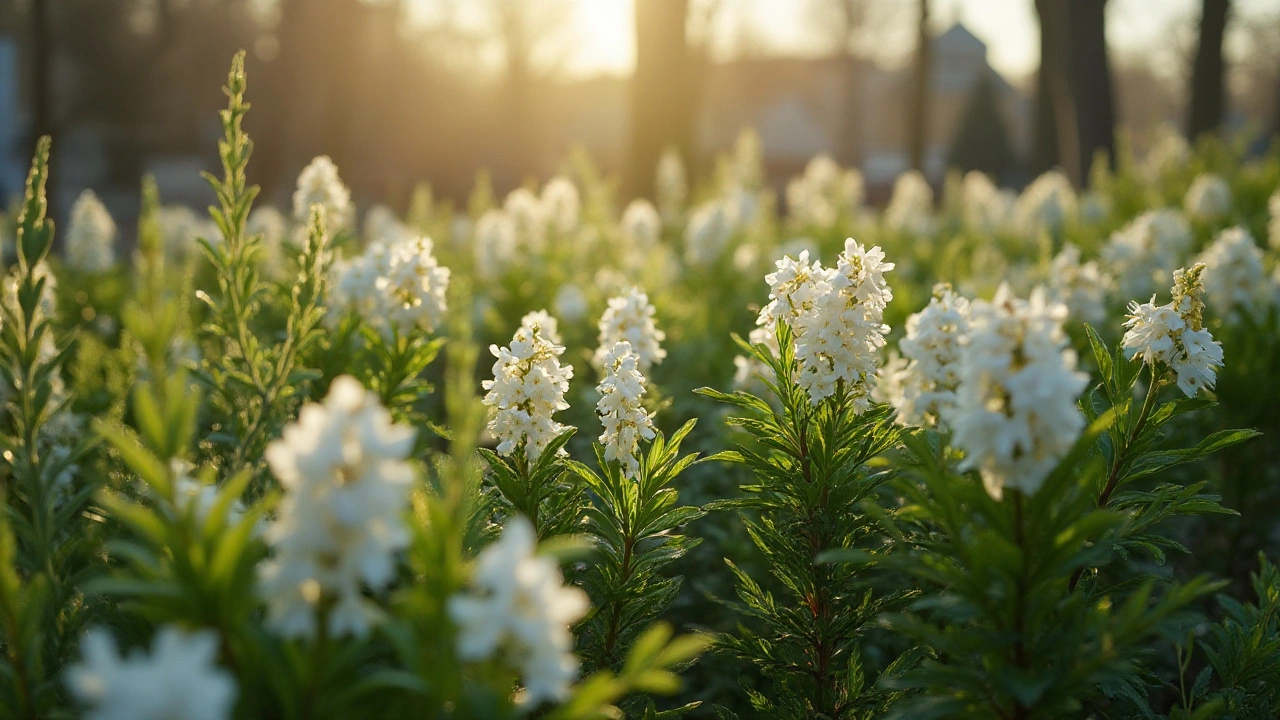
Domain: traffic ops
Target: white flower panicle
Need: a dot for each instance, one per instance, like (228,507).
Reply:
(1169,150)
(985,208)
(836,316)
(624,418)
(570,302)
(1174,336)
(630,317)
(520,608)
(1046,205)
(1234,277)
(91,236)
(1143,253)
(541,320)
(1081,286)
(910,210)
(529,218)
(180,227)
(495,244)
(562,204)
(178,680)
(527,389)
(708,233)
(1208,198)
(824,193)
(1015,414)
(641,225)
(414,286)
(931,351)
(319,184)
(381,224)
(341,521)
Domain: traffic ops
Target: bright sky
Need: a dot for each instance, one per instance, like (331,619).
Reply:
(603,40)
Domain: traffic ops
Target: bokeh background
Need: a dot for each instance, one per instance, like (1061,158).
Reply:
(404,91)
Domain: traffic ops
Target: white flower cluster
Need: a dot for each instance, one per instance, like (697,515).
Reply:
(1081,286)
(1168,151)
(910,210)
(180,227)
(1046,205)
(641,226)
(381,224)
(91,235)
(625,421)
(1016,413)
(714,223)
(319,184)
(570,302)
(824,193)
(836,315)
(341,521)
(630,317)
(1208,198)
(529,218)
(521,608)
(394,288)
(1174,335)
(924,389)
(562,205)
(1234,277)
(527,389)
(178,680)
(1143,253)
(494,243)
(985,208)
(541,320)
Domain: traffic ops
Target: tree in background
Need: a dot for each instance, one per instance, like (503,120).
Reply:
(1205,112)
(982,140)
(1075,110)
(918,117)
(663,90)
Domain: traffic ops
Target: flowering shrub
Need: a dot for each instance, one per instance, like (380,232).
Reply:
(971,461)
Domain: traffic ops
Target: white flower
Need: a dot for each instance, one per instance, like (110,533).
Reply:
(529,218)
(1168,151)
(544,322)
(413,287)
(1208,198)
(319,184)
(1081,286)
(178,680)
(1174,335)
(570,302)
(521,608)
(355,285)
(1046,205)
(708,233)
(1016,413)
(563,208)
(527,389)
(180,227)
(382,225)
(630,317)
(671,185)
(1095,207)
(931,351)
(1234,277)
(985,208)
(341,521)
(824,194)
(888,388)
(91,235)
(641,225)
(625,421)
(495,244)
(1143,253)
(836,316)
(910,210)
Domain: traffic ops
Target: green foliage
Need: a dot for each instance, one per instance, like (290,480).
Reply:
(814,493)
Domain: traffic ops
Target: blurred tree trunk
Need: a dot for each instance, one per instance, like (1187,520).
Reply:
(662,97)
(1091,83)
(1207,75)
(1058,83)
(41,71)
(1046,131)
(918,117)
